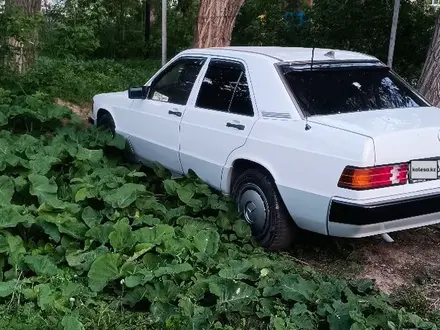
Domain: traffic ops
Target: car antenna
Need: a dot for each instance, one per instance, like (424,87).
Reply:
(308,127)
(313,57)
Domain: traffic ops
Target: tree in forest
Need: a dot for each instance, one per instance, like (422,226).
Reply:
(216,20)
(22,32)
(429,84)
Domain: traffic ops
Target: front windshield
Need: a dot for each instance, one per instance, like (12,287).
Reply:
(349,89)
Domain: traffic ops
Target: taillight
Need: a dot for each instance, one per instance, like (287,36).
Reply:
(359,178)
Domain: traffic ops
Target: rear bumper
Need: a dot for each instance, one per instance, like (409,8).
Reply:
(352,219)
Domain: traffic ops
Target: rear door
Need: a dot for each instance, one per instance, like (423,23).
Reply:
(219,121)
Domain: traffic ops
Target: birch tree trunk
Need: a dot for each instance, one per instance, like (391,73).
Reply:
(429,84)
(216,20)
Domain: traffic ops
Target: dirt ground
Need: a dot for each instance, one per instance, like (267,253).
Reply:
(82,111)
(413,259)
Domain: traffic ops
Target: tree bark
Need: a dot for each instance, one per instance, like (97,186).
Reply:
(216,20)
(30,7)
(429,83)
(24,50)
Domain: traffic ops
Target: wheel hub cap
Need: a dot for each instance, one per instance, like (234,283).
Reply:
(254,209)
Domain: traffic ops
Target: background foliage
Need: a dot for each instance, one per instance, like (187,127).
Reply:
(96,29)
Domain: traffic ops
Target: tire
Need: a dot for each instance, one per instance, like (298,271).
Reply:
(270,222)
(106,121)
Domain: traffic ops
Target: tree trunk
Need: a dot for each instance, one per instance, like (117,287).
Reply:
(30,7)
(24,49)
(215,22)
(429,84)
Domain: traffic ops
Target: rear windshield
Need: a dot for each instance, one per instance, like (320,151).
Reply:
(350,89)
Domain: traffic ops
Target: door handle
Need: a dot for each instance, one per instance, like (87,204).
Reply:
(175,113)
(237,126)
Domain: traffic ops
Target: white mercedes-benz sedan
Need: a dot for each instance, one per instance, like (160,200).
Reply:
(324,140)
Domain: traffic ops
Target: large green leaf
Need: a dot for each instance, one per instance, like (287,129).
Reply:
(171,186)
(233,295)
(7,189)
(292,287)
(46,297)
(91,217)
(125,195)
(207,241)
(41,265)
(43,188)
(148,220)
(12,215)
(70,322)
(173,269)
(118,142)
(104,270)
(83,260)
(186,193)
(50,229)
(3,119)
(67,224)
(92,156)
(235,269)
(100,233)
(15,249)
(89,191)
(42,165)
(122,237)
(155,235)
(7,288)
(151,204)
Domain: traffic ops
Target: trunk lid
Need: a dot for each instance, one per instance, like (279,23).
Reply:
(399,135)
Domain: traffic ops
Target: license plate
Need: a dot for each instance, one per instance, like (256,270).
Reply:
(424,170)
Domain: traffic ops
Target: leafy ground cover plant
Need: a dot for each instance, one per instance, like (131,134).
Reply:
(88,242)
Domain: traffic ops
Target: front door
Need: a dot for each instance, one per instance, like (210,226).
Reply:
(155,133)
(219,121)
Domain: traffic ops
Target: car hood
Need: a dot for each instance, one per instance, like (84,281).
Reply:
(398,134)
(112,95)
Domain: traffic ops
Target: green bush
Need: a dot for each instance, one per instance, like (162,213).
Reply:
(78,80)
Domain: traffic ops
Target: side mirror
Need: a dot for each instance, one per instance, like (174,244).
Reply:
(138,93)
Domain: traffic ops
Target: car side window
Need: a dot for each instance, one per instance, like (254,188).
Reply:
(225,88)
(175,83)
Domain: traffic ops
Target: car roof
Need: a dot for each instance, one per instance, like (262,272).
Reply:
(285,54)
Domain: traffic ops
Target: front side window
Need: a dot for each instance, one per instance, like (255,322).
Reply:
(350,89)
(225,88)
(175,83)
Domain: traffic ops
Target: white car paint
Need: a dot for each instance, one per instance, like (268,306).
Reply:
(306,164)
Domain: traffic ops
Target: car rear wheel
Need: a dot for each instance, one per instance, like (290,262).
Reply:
(260,203)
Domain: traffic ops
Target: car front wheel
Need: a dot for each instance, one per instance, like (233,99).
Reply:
(260,203)
(106,122)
